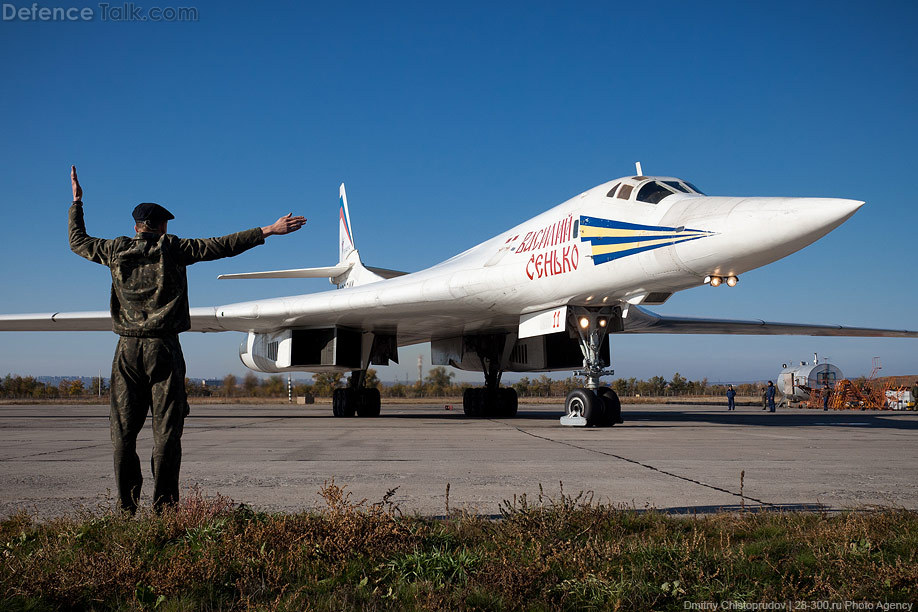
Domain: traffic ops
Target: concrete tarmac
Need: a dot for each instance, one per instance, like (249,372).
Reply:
(56,460)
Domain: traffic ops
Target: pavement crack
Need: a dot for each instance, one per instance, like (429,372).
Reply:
(187,431)
(62,450)
(220,427)
(642,464)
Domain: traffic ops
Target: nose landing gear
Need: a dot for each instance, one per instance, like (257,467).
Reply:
(593,405)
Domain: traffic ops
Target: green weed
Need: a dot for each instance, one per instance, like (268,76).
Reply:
(440,567)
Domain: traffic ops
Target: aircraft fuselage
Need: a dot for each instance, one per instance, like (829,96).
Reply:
(590,250)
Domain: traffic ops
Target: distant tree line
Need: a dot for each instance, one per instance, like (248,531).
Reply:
(657,386)
(19,387)
(438,383)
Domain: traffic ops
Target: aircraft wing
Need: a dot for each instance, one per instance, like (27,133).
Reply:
(643,321)
(202,320)
(414,328)
(97,320)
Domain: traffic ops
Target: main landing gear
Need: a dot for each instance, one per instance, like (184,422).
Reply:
(593,405)
(376,348)
(492,400)
(356,398)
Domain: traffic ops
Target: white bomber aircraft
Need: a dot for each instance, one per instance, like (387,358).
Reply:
(541,296)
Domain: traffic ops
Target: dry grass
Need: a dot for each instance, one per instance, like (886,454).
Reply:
(565,552)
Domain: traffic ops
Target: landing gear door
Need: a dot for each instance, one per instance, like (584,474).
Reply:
(544,322)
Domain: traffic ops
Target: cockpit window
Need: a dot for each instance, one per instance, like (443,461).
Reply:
(693,188)
(677,186)
(611,193)
(653,192)
(625,192)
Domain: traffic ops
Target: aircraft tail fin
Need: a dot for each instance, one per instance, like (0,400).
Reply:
(345,234)
(349,257)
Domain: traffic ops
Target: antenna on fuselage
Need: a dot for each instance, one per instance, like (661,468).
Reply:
(637,166)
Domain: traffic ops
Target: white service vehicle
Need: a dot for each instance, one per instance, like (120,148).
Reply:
(900,399)
(796,382)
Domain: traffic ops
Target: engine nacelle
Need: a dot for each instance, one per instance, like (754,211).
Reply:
(558,351)
(330,349)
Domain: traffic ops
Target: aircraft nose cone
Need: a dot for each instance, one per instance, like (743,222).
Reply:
(789,224)
(820,215)
(758,231)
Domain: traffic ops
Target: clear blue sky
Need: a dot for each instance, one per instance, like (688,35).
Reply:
(449,124)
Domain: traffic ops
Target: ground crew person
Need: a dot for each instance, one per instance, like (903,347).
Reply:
(770,396)
(731,394)
(764,398)
(915,395)
(149,306)
(825,396)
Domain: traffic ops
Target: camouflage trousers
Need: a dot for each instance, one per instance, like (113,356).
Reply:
(148,375)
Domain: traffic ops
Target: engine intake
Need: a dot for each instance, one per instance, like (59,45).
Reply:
(330,349)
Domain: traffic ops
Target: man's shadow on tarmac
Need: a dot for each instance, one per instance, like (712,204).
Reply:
(664,418)
(633,418)
(795,418)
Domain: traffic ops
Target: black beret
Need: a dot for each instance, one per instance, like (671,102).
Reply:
(154,213)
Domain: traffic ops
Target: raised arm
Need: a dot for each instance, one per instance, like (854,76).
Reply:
(208,249)
(81,243)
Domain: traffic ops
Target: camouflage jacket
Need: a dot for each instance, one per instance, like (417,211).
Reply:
(149,285)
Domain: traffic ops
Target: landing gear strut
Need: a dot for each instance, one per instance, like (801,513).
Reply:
(356,398)
(492,400)
(593,405)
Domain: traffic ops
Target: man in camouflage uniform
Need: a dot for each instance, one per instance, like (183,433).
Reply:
(149,306)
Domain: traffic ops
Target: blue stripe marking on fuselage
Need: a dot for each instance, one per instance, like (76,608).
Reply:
(669,236)
(595,222)
(598,259)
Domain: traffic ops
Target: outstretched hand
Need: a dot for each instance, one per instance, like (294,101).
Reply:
(286,224)
(75,183)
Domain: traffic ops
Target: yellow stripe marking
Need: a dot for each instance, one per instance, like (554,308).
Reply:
(604,249)
(587,231)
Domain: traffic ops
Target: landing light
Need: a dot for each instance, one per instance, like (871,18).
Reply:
(584,322)
(716,281)
(731,281)
(602,322)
